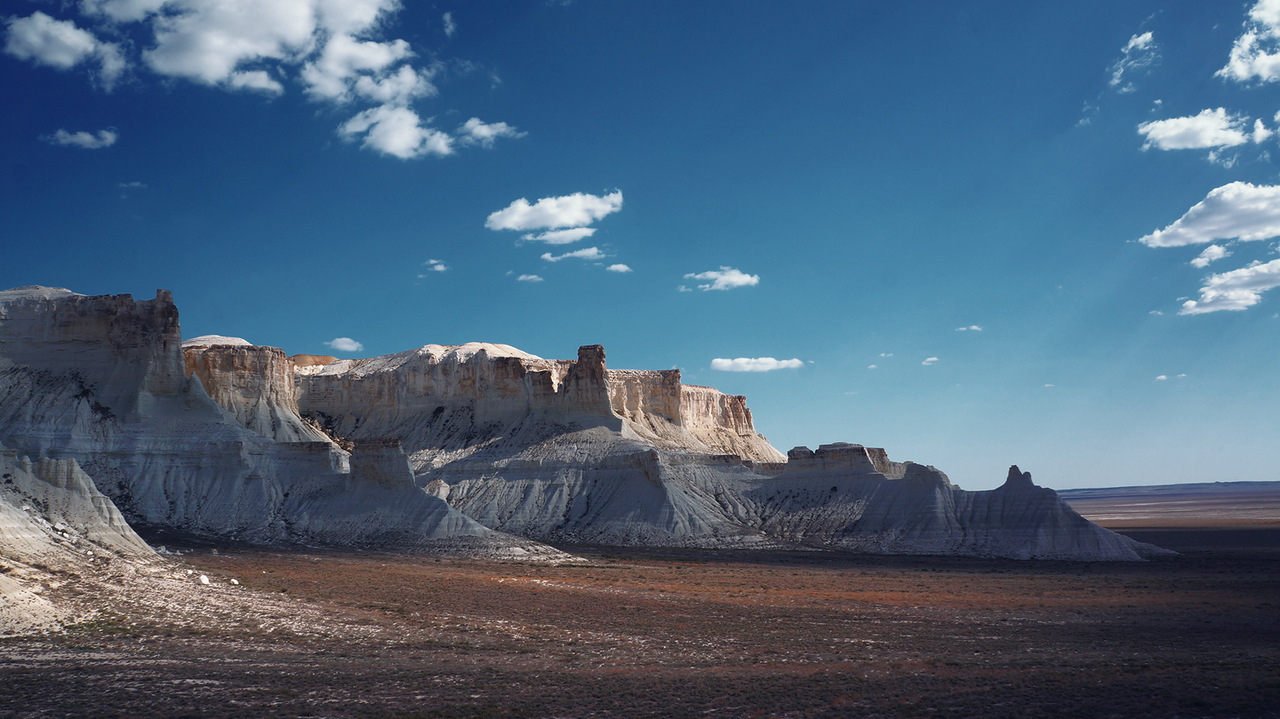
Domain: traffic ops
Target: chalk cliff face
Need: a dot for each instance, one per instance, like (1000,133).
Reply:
(101,380)
(254,384)
(438,447)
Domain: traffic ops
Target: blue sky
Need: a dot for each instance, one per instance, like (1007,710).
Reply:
(966,232)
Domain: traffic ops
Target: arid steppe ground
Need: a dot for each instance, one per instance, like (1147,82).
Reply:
(676,633)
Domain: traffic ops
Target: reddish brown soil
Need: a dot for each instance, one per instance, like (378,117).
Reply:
(682,633)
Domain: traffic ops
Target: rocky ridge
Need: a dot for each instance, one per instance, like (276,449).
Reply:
(462,447)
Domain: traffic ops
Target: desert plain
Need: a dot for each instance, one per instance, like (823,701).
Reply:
(662,632)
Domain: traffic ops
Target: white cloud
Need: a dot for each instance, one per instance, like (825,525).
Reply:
(1162,378)
(450,27)
(725,278)
(208,42)
(929,361)
(344,59)
(434,266)
(82,139)
(1260,132)
(1209,129)
(871,366)
(1048,385)
(345,344)
(970,328)
(60,44)
(1239,210)
(1234,290)
(1256,53)
(398,88)
(754,364)
(135,185)
(1211,253)
(561,237)
(1137,54)
(258,80)
(529,278)
(886,354)
(586,253)
(396,131)
(475,132)
(618,268)
(551,213)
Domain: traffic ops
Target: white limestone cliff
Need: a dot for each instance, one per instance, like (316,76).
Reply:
(101,380)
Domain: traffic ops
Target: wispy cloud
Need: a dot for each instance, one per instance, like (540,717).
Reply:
(82,139)
(551,213)
(970,328)
(725,278)
(432,266)
(929,361)
(1256,53)
(476,132)
(587,253)
(1140,53)
(560,237)
(754,364)
(135,185)
(1235,290)
(344,344)
(1240,211)
(450,27)
(529,278)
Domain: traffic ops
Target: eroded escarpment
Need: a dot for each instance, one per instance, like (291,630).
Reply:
(102,381)
(462,447)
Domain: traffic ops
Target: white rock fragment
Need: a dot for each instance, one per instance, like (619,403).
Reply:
(204,579)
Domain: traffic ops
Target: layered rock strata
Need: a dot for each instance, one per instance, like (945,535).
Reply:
(102,381)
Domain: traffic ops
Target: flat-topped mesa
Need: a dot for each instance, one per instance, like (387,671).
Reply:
(117,346)
(253,383)
(846,457)
(459,387)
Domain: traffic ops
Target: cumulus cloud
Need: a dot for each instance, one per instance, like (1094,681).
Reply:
(754,364)
(529,278)
(1209,129)
(396,131)
(344,344)
(1210,253)
(929,361)
(618,268)
(333,48)
(344,61)
(586,253)
(725,278)
(560,237)
(552,213)
(476,132)
(1235,290)
(62,45)
(970,328)
(1239,210)
(82,139)
(1256,53)
(1139,53)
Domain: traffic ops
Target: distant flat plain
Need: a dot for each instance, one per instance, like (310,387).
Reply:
(703,633)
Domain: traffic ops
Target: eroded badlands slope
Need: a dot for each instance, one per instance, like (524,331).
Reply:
(103,381)
(443,445)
